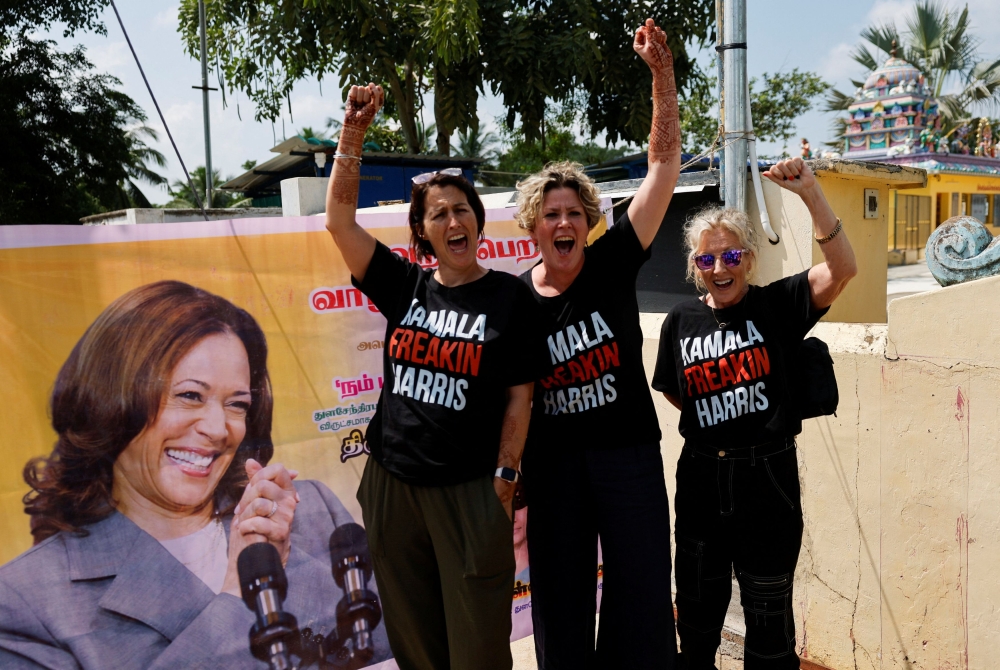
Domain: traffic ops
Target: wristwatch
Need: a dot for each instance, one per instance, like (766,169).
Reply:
(508,474)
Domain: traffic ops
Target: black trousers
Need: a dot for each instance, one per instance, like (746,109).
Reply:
(739,514)
(618,494)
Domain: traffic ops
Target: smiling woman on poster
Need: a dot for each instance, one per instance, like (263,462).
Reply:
(727,360)
(157,482)
(592,464)
(448,433)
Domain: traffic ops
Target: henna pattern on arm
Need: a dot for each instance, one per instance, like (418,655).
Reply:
(347,171)
(665,133)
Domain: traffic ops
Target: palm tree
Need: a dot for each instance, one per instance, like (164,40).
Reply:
(478,144)
(183,199)
(938,43)
(140,154)
(426,137)
(307,131)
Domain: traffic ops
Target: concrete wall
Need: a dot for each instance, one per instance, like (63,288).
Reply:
(900,490)
(128,217)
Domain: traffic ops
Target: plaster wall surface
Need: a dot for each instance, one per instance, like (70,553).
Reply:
(900,490)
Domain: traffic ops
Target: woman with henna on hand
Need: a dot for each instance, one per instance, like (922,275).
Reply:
(727,361)
(592,466)
(447,436)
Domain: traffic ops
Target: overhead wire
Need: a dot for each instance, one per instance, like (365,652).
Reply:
(236,237)
(149,88)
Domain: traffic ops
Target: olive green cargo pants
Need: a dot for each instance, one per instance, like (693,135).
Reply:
(444,564)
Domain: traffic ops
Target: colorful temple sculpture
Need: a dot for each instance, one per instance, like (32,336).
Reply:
(895,119)
(961,249)
(893,113)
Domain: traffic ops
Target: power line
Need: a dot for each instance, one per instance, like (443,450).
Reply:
(157,105)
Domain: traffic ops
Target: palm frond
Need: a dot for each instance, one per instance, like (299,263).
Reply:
(837,101)
(864,57)
(881,36)
(136,196)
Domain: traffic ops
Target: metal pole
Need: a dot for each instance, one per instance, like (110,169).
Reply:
(720,93)
(734,65)
(204,103)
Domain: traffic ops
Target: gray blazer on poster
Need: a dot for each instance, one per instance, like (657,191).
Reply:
(118,599)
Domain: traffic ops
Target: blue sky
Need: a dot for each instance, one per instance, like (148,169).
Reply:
(814,36)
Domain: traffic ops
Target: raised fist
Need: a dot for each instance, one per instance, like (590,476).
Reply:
(651,44)
(363,102)
(793,174)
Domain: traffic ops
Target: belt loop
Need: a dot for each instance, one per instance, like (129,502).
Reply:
(752,460)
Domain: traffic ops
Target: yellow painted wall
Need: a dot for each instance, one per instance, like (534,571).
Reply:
(947,184)
(844,183)
(901,490)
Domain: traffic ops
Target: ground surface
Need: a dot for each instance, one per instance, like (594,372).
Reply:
(909,279)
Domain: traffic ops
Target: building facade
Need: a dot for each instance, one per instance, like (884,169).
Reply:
(895,119)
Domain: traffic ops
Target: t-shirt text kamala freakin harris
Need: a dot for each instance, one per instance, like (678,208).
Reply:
(733,379)
(595,393)
(450,354)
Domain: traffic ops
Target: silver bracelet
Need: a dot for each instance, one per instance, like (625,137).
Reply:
(833,233)
(340,155)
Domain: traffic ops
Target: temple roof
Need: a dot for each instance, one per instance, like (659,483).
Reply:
(895,70)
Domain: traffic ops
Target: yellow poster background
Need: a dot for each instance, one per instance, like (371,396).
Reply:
(49,295)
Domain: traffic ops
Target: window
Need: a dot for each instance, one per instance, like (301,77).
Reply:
(980,207)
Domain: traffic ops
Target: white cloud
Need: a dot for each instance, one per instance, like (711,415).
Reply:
(890,11)
(837,67)
(110,57)
(167,18)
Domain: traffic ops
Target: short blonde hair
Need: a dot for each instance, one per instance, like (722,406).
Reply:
(729,219)
(565,174)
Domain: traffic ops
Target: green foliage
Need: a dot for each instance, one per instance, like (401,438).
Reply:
(529,52)
(65,153)
(307,132)
(699,113)
(137,169)
(783,98)
(478,144)
(180,191)
(23,16)
(249,165)
(524,156)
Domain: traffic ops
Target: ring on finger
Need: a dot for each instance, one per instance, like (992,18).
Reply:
(274,508)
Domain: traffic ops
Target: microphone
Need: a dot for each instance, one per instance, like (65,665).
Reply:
(358,612)
(263,585)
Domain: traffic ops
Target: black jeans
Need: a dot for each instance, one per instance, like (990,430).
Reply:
(619,494)
(739,514)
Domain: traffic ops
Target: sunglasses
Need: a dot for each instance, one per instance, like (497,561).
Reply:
(520,501)
(731,258)
(426,176)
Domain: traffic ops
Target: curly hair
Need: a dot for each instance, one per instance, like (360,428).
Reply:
(418,205)
(565,174)
(732,220)
(112,387)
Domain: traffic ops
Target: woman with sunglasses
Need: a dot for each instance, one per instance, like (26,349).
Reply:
(592,466)
(450,426)
(726,362)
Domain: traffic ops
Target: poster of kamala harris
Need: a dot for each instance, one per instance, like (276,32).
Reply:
(95,321)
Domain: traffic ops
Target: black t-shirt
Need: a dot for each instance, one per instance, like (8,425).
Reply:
(595,391)
(733,381)
(450,354)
